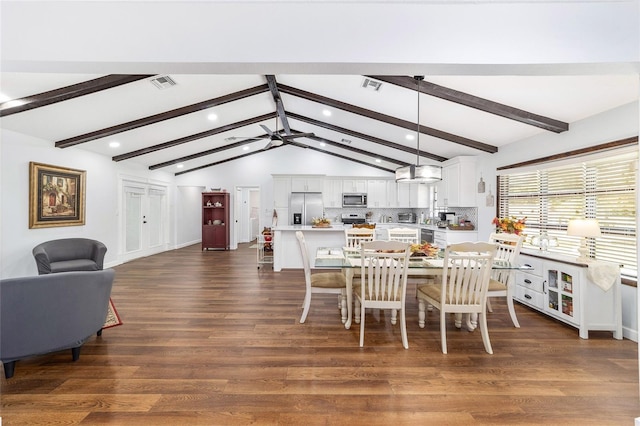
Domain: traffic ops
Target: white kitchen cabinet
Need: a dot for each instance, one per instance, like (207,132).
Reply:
(458,185)
(356,186)
(281,191)
(413,195)
(332,192)
(561,289)
(301,183)
(377,193)
(392,193)
(444,237)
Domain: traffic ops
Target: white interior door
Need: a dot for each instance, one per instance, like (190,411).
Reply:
(246,213)
(145,214)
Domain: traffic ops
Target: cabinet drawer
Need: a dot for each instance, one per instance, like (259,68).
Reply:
(530,281)
(534,262)
(530,297)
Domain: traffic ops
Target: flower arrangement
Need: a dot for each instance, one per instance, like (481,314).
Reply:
(321,221)
(510,225)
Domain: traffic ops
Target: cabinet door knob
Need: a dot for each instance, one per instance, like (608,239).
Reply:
(527,296)
(527,281)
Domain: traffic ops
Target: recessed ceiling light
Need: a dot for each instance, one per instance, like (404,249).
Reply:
(410,137)
(323,144)
(212,117)
(378,160)
(114,144)
(180,166)
(245,148)
(326,113)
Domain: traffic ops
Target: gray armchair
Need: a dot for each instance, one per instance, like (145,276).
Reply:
(49,313)
(69,254)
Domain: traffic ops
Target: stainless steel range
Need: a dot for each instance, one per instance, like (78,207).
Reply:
(351,218)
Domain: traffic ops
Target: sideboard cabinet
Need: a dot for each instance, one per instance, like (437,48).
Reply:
(215,220)
(562,289)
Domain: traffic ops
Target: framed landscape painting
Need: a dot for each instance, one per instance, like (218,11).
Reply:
(56,196)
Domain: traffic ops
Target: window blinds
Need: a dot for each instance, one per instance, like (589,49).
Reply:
(601,188)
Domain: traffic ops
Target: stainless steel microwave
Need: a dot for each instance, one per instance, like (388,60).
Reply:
(354,200)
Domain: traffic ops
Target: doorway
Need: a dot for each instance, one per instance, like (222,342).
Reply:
(247,213)
(144,220)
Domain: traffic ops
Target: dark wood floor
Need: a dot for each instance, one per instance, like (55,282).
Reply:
(210,339)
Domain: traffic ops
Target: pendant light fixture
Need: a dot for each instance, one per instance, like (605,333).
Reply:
(415,172)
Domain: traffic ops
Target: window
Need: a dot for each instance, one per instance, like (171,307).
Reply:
(602,188)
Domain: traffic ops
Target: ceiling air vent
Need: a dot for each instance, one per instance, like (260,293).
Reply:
(367,83)
(346,141)
(163,82)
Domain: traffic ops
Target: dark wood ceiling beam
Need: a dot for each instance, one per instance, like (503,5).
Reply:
(357,150)
(387,119)
(207,152)
(476,102)
(69,92)
(193,137)
(244,142)
(363,136)
(344,157)
(109,131)
(282,115)
(238,157)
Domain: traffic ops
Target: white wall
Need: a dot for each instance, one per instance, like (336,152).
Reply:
(256,170)
(619,123)
(102,200)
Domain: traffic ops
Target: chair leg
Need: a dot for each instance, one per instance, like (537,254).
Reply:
(485,333)
(403,329)
(394,316)
(443,331)
(421,313)
(512,310)
(489,308)
(356,310)
(361,325)
(305,307)
(9,369)
(75,353)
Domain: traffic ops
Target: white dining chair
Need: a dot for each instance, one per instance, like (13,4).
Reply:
(405,235)
(321,282)
(354,237)
(502,281)
(383,282)
(463,289)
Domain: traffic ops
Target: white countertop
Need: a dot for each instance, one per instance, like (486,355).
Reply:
(341,227)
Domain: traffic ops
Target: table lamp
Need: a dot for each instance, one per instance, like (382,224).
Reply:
(585,228)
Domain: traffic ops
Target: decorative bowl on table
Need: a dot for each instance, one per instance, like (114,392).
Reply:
(321,222)
(424,250)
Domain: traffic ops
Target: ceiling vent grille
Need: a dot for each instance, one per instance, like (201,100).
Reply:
(374,85)
(346,141)
(163,82)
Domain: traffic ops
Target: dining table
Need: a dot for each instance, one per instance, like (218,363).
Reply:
(349,260)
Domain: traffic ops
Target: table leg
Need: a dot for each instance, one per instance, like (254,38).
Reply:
(349,279)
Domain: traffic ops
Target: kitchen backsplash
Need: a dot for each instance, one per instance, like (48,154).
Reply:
(470,213)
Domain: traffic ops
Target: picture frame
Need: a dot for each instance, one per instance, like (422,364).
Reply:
(56,196)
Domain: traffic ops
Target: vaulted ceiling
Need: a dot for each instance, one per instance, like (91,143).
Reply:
(185,122)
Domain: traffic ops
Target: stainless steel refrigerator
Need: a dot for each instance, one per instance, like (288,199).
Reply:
(303,206)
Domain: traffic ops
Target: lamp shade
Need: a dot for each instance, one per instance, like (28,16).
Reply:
(424,174)
(584,228)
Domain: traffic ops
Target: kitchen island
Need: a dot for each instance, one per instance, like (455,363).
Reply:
(286,251)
